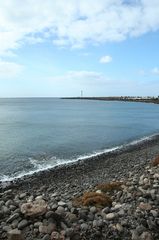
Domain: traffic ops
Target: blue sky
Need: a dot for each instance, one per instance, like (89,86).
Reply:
(57,48)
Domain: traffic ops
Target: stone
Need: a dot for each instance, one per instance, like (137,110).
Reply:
(1,203)
(140,229)
(135,235)
(47,229)
(1,214)
(6,210)
(15,223)
(154,213)
(22,195)
(35,208)
(119,227)
(97,223)
(145,206)
(117,206)
(49,214)
(46,237)
(54,194)
(84,226)
(13,217)
(54,206)
(151,224)
(15,235)
(110,216)
(93,209)
(22,224)
(72,217)
(12,207)
(60,210)
(146,236)
(55,236)
(145,181)
(7,228)
(121,213)
(9,202)
(61,203)
(106,210)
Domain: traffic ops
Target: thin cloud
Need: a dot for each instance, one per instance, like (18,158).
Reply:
(106,59)
(9,69)
(74,24)
(81,77)
(142,72)
(155,71)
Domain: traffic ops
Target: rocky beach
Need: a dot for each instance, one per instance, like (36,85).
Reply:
(110,196)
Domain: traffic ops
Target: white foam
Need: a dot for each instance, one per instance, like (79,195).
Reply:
(42,166)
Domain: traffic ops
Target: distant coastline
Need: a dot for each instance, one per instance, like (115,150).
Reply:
(125,99)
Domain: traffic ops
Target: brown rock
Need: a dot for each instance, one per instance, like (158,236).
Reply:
(145,206)
(36,208)
(15,235)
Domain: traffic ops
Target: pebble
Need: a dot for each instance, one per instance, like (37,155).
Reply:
(22,224)
(93,209)
(61,203)
(110,216)
(119,227)
(133,215)
(84,226)
(154,213)
(13,217)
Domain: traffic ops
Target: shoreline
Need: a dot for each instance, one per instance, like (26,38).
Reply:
(99,154)
(130,214)
(101,161)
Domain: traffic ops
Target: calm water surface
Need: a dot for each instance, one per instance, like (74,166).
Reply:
(37,133)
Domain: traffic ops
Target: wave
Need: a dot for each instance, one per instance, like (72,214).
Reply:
(39,166)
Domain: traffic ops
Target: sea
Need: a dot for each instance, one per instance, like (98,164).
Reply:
(41,133)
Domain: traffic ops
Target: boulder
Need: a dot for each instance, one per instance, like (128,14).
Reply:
(35,208)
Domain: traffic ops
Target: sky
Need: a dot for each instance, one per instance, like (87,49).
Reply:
(56,48)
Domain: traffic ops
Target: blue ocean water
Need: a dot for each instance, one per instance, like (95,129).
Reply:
(38,133)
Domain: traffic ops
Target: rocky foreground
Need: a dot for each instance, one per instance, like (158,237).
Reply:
(125,208)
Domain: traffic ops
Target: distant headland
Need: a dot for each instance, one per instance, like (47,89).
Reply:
(121,98)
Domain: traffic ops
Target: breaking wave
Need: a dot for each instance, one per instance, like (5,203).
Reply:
(38,166)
